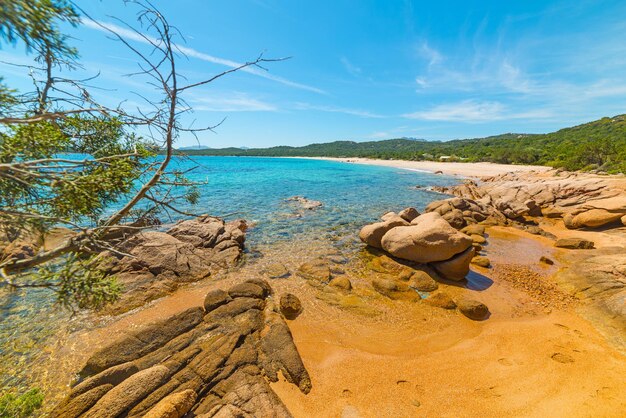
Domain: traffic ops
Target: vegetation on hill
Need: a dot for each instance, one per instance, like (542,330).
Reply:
(598,145)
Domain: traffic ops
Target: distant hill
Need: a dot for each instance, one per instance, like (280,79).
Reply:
(597,145)
(193,147)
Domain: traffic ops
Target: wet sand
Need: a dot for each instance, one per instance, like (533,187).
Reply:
(534,356)
(449,168)
(530,358)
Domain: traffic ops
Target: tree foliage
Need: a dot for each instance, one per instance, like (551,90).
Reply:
(68,161)
(596,145)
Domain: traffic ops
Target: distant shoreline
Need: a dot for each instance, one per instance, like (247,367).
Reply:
(447,168)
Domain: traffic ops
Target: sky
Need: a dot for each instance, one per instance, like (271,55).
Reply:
(367,70)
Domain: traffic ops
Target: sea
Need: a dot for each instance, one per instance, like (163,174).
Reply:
(256,189)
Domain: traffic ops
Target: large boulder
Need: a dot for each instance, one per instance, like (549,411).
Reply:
(429,238)
(594,218)
(372,234)
(457,267)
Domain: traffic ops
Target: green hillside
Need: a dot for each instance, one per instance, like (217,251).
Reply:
(596,145)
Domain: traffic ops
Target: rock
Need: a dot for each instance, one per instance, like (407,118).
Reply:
(394,289)
(342,283)
(276,271)
(428,239)
(574,243)
(386,264)
(440,300)
(481,261)
(474,230)
(546,260)
(219,366)
(595,218)
(305,203)
(409,214)
(510,207)
(128,393)
(473,309)
(421,281)
(455,218)
(215,298)
(552,212)
(75,406)
(175,405)
(135,345)
(623,220)
(372,234)
(457,267)
(160,262)
(478,239)
(385,286)
(316,271)
(290,306)
(247,290)
(111,376)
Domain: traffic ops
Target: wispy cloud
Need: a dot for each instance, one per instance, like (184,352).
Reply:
(335,109)
(431,55)
(236,102)
(474,111)
(350,67)
(190,52)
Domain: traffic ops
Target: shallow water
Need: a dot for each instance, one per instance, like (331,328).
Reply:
(256,189)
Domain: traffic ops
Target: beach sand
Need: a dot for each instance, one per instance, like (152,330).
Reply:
(534,356)
(449,168)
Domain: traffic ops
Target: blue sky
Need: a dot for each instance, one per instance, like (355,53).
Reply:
(364,70)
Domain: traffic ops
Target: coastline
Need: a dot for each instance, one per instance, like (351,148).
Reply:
(493,369)
(448,168)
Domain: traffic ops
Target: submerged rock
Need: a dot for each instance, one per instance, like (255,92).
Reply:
(216,363)
(574,243)
(290,305)
(276,271)
(305,203)
(421,281)
(317,271)
(342,283)
(440,300)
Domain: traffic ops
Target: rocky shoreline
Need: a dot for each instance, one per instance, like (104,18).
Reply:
(481,269)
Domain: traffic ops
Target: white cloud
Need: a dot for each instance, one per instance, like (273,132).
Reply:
(473,111)
(236,102)
(190,52)
(350,67)
(335,109)
(431,55)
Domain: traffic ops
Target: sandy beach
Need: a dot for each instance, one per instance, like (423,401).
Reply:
(546,348)
(449,168)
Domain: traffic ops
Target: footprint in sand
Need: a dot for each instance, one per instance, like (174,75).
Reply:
(505,362)
(403,384)
(562,358)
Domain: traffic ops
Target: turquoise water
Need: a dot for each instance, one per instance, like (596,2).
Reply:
(255,188)
(352,194)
